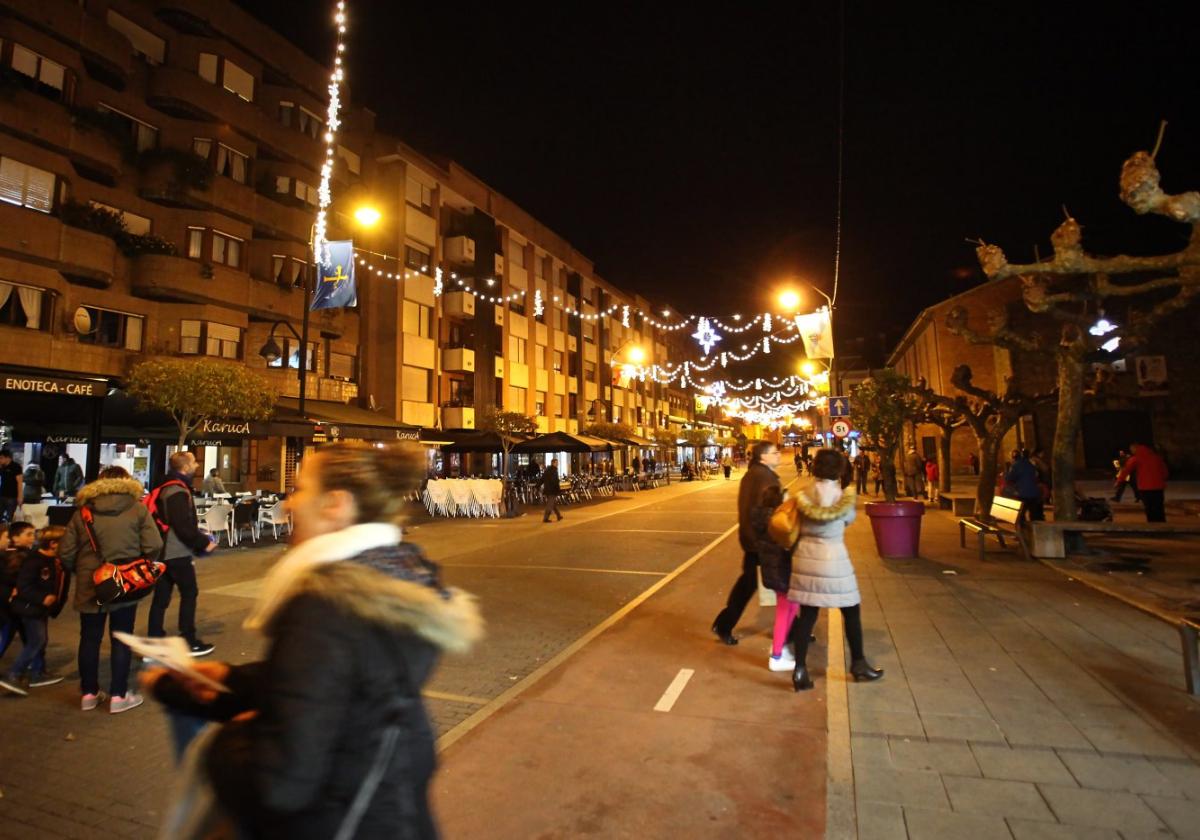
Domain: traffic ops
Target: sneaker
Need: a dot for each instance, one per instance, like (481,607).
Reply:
(45,678)
(123,703)
(784,662)
(91,701)
(16,683)
(201,648)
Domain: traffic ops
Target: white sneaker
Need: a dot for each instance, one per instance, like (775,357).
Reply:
(91,701)
(784,662)
(119,704)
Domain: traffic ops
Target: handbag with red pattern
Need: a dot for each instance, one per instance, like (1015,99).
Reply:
(120,582)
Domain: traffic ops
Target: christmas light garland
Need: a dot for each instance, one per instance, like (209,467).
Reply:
(332,123)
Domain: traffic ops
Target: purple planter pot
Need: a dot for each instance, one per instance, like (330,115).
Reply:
(897,527)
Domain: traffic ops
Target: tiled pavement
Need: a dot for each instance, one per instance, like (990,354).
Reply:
(1017,704)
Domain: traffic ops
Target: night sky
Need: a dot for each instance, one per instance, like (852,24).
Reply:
(693,155)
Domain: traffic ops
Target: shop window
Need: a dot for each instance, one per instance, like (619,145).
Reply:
(226,249)
(291,354)
(145,43)
(232,163)
(49,78)
(210,339)
(144,135)
(22,306)
(26,186)
(418,259)
(342,366)
(418,319)
(353,161)
(418,195)
(113,329)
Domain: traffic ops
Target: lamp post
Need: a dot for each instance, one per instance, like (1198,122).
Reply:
(789,299)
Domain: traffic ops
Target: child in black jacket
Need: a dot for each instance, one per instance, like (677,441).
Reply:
(36,595)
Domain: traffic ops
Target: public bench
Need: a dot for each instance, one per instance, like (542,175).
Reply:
(1049,539)
(1175,614)
(1004,520)
(959,504)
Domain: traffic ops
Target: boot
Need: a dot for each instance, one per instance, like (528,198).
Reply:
(801,681)
(727,638)
(862,670)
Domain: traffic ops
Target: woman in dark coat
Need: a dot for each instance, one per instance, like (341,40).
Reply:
(356,621)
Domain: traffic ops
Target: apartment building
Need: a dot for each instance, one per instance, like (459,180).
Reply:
(158,182)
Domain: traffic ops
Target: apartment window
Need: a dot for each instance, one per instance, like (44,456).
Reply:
(308,122)
(145,43)
(135,224)
(232,77)
(573,404)
(558,317)
(516,254)
(113,329)
(49,76)
(516,349)
(517,306)
(21,306)
(558,405)
(145,136)
(353,161)
(208,67)
(418,259)
(589,371)
(617,413)
(418,194)
(26,186)
(341,366)
(232,163)
(288,271)
(516,398)
(418,319)
(195,242)
(226,249)
(306,193)
(588,328)
(210,339)
(540,404)
(558,361)
(415,383)
(202,146)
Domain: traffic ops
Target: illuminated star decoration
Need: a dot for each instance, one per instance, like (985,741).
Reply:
(705,335)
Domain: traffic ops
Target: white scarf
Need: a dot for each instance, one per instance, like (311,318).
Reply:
(327,548)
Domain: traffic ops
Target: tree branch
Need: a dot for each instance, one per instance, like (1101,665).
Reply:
(1001,335)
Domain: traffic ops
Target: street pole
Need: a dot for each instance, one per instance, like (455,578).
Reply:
(310,282)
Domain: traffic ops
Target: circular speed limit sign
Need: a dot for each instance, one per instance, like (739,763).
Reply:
(840,428)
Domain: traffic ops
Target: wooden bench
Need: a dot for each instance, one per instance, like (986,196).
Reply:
(1005,520)
(1049,539)
(1188,624)
(959,504)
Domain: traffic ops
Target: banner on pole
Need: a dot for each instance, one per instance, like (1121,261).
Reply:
(817,332)
(335,278)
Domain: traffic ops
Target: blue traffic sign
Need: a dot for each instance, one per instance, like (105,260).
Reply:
(839,406)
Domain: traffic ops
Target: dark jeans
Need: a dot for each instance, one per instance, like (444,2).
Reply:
(37,632)
(91,633)
(14,627)
(743,589)
(860,486)
(184,729)
(1035,509)
(181,572)
(1121,485)
(1152,501)
(8,509)
(803,626)
(551,507)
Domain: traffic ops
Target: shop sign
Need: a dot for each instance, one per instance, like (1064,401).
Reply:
(224,427)
(52,385)
(408,434)
(66,439)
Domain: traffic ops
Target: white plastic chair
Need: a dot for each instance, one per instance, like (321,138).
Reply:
(36,515)
(276,516)
(219,519)
(464,499)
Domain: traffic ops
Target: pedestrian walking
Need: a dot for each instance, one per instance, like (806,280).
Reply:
(764,461)
(19,540)
(727,466)
(12,482)
(1149,470)
(932,476)
(35,484)
(914,473)
(1130,480)
(822,573)
(329,736)
(862,468)
(799,462)
(550,491)
(33,601)
(775,565)
(124,531)
(182,541)
(1021,483)
(637,465)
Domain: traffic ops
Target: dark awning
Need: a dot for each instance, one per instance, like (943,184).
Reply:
(476,440)
(345,421)
(563,442)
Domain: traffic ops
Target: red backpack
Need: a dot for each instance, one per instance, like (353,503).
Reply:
(151,503)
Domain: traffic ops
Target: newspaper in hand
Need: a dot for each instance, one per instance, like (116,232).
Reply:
(170,652)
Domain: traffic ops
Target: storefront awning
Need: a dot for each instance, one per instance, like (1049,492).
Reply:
(637,440)
(342,421)
(476,440)
(563,442)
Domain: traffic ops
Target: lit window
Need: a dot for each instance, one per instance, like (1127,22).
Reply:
(21,306)
(113,329)
(208,67)
(202,146)
(418,194)
(418,319)
(231,163)
(236,80)
(195,242)
(418,259)
(226,249)
(39,68)
(26,186)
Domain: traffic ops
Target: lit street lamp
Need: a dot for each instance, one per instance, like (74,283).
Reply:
(789,300)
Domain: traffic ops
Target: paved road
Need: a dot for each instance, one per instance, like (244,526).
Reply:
(541,587)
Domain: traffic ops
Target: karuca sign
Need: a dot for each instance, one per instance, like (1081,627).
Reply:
(224,427)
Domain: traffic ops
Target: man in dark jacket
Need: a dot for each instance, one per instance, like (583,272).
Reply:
(550,490)
(764,460)
(1022,481)
(183,540)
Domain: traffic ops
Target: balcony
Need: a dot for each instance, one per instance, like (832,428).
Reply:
(458,359)
(69,22)
(161,277)
(458,305)
(275,220)
(458,417)
(83,257)
(179,179)
(51,124)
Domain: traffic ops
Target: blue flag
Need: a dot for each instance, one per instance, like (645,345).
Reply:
(335,279)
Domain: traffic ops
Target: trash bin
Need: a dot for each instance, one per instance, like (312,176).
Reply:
(897,527)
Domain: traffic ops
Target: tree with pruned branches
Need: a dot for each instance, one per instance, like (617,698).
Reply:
(1072,288)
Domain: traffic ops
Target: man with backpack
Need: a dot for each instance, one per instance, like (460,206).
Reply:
(175,513)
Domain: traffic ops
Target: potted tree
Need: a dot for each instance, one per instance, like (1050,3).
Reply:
(882,405)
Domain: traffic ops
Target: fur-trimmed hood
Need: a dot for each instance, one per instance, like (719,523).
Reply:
(808,502)
(110,487)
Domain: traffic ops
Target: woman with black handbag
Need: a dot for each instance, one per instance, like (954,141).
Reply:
(123,530)
(328,737)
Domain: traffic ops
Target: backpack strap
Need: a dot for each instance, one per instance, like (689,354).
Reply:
(87,516)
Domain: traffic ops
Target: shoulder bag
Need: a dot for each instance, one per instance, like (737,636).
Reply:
(120,582)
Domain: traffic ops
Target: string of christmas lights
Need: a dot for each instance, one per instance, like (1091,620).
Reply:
(332,123)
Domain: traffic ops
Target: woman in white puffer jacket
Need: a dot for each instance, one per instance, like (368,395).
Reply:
(822,574)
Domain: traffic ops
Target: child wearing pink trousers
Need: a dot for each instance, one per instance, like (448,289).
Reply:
(775,564)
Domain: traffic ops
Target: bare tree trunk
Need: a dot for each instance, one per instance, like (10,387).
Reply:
(1066,432)
(944,458)
(887,468)
(989,469)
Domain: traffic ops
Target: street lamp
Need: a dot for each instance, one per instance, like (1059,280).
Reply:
(789,300)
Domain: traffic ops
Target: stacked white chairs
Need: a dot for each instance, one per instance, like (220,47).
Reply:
(489,495)
(437,497)
(464,499)
(475,497)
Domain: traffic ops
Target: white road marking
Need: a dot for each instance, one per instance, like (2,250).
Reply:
(648,531)
(457,698)
(550,568)
(673,691)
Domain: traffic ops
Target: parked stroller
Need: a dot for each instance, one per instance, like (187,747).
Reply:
(1092,509)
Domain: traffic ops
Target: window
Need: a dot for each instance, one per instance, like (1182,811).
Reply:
(145,136)
(558,405)
(231,163)
(341,366)
(113,329)
(195,242)
(145,43)
(49,76)
(233,78)
(516,349)
(208,67)
(203,337)
(26,186)
(308,122)
(287,112)
(418,194)
(539,266)
(202,146)
(558,361)
(135,224)
(540,404)
(516,254)
(306,193)
(353,161)
(418,319)
(517,306)
(415,383)
(516,398)
(21,306)
(589,371)
(291,355)
(226,249)
(288,271)
(589,331)
(573,404)
(417,259)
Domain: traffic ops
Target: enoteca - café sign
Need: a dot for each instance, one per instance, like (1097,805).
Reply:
(53,385)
